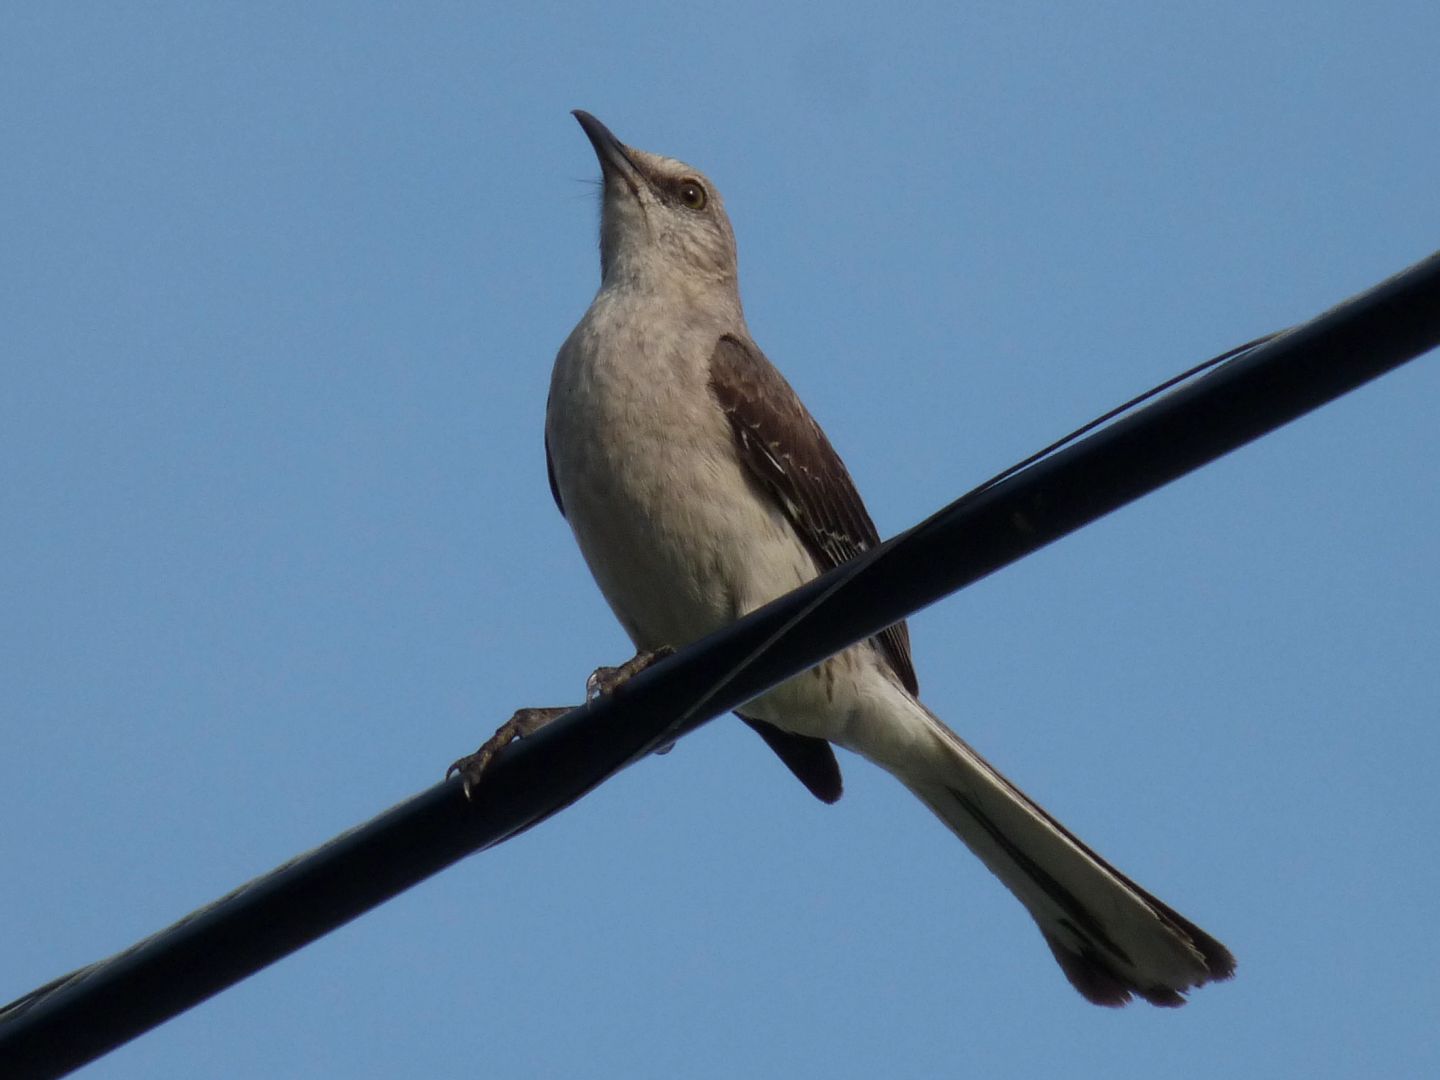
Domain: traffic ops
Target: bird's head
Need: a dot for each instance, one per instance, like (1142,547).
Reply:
(662,223)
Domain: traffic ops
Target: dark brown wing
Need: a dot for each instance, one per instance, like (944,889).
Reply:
(810,759)
(792,460)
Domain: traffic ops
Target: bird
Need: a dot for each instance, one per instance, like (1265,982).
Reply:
(699,487)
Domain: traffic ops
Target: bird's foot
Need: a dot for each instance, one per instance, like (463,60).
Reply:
(525,722)
(606,680)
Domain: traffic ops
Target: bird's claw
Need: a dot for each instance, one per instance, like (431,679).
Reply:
(471,767)
(606,680)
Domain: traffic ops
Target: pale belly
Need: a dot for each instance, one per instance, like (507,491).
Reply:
(671,529)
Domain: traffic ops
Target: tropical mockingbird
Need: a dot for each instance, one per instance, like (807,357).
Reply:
(699,488)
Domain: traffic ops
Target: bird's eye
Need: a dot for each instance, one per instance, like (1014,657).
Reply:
(692,194)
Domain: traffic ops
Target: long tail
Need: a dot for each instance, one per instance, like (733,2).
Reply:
(1111,937)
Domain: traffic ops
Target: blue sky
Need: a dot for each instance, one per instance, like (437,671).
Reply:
(280,292)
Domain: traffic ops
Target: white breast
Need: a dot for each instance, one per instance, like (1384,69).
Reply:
(662,508)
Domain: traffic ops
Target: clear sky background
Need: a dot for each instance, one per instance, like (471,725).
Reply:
(280,287)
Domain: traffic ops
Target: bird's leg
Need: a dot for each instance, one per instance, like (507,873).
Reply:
(524,722)
(606,680)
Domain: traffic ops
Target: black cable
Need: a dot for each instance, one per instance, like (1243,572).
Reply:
(79,1017)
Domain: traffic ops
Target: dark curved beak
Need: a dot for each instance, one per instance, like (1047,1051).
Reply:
(613,154)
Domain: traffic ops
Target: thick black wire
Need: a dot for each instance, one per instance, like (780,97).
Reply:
(80,1016)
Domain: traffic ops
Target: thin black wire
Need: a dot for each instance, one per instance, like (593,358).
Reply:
(849,571)
(1120,410)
